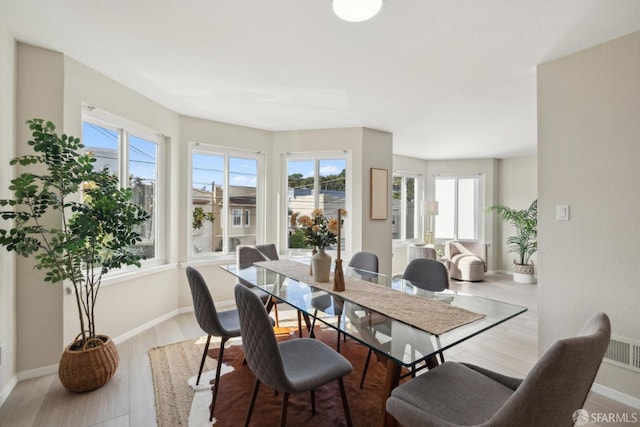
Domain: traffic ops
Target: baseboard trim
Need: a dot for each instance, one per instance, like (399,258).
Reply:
(6,391)
(616,395)
(150,324)
(52,369)
(37,372)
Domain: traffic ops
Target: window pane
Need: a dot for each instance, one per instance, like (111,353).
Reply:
(143,156)
(243,177)
(300,197)
(445,220)
(207,177)
(103,144)
(332,174)
(467,208)
(410,214)
(396,207)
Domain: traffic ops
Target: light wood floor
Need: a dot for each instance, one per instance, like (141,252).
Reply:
(510,348)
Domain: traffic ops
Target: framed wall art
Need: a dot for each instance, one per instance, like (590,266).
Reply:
(379,193)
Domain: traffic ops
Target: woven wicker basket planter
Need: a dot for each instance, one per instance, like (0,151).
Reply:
(88,369)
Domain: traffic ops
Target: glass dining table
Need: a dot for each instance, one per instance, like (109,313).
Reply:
(393,318)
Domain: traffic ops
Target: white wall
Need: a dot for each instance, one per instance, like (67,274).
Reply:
(39,308)
(7,266)
(517,189)
(588,152)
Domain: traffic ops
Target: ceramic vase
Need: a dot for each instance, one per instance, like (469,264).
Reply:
(321,263)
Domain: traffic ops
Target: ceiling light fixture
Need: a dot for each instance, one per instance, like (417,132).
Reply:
(356,10)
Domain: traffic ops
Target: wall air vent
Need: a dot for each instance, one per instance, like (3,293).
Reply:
(623,352)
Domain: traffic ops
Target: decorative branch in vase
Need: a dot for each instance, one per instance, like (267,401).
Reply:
(338,273)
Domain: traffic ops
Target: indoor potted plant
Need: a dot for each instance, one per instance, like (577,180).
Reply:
(524,242)
(97,232)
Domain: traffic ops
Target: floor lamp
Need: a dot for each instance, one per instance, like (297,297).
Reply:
(429,209)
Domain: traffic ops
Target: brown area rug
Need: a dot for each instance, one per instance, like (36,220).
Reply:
(174,364)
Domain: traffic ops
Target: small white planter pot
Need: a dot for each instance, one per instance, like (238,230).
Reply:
(524,278)
(523,273)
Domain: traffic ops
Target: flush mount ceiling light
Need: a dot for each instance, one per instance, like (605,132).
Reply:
(356,10)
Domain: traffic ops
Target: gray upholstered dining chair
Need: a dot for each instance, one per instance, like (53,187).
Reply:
(364,262)
(427,274)
(223,324)
(246,254)
(456,394)
(367,261)
(294,366)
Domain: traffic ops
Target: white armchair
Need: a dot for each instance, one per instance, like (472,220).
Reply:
(466,260)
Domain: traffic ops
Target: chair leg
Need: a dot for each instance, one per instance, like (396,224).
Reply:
(204,357)
(313,402)
(283,414)
(218,368)
(366,366)
(256,386)
(345,404)
(275,312)
(299,324)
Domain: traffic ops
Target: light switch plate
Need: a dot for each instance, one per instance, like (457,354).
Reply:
(562,212)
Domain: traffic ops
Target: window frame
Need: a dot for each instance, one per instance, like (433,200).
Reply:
(226,153)
(126,128)
(418,226)
(478,207)
(316,157)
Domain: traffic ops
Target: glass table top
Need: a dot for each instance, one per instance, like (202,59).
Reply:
(403,343)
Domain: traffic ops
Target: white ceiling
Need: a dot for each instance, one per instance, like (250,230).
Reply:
(449,78)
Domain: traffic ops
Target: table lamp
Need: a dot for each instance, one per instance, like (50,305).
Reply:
(429,209)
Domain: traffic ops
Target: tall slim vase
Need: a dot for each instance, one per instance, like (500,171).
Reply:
(321,263)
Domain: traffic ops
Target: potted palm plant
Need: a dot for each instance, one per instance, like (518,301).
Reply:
(525,241)
(97,231)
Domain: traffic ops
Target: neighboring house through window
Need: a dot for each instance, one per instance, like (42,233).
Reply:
(225,183)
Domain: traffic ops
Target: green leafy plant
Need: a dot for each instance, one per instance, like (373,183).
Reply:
(200,216)
(525,221)
(98,225)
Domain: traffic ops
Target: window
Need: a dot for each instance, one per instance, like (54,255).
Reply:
(132,153)
(404,209)
(314,182)
(224,185)
(459,209)
(237,218)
